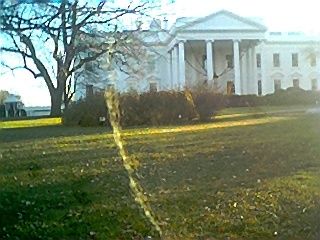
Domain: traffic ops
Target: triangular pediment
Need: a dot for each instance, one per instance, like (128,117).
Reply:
(224,21)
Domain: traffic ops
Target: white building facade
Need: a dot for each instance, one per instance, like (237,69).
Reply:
(235,55)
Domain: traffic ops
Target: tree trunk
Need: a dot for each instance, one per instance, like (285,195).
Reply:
(56,101)
(66,101)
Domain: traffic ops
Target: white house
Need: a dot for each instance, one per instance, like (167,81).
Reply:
(14,108)
(233,53)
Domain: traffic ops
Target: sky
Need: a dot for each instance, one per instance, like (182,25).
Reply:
(295,15)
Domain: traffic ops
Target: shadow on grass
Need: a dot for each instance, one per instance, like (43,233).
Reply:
(88,207)
(224,197)
(185,172)
(215,177)
(42,132)
(239,155)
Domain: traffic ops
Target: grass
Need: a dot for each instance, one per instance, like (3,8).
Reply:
(249,175)
(30,123)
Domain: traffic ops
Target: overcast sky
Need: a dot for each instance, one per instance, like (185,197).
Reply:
(296,15)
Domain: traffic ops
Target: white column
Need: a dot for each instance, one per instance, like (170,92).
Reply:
(236,61)
(244,73)
(249,70)
(169,68)
(254,81)
(210,67)
(318,70)
(175,67)
(182,67)
(264,83)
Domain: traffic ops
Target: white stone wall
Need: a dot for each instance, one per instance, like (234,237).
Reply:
(195,74)
(286,72)
(224,29)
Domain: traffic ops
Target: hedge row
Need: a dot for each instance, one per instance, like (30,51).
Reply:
(86,112)
(154,108)
(290,96)
(162,108)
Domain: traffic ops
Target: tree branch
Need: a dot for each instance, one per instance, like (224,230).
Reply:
(87,59)
(42,69)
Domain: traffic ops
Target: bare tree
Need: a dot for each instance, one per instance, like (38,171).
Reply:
(54,40)
(130,55)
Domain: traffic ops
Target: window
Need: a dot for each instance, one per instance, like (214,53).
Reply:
(230,88)
(258,60)
(276,60)
(229,59)
(259,88)
(295,83)
(153,87)
(314,84)
(277,85)
(313,61)
(295,59)
(151,63)
(89,90)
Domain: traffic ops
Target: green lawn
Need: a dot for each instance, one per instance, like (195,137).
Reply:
(248,175)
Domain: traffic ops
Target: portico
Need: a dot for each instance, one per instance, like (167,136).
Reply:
(223,52)
(217,50)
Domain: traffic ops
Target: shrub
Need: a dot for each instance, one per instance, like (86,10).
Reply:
(156,108)
(242,101)
(162,108)
(292,96)
(153,108)
(207,104)
(130,108)
(86,112)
